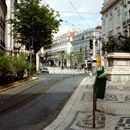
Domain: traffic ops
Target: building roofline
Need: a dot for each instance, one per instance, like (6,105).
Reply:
(108,5)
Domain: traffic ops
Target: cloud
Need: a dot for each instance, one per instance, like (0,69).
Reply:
(88,13)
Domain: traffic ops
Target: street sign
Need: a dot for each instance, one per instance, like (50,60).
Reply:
(90,51)
(98,61)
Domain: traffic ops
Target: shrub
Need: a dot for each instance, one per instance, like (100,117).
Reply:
(13,67)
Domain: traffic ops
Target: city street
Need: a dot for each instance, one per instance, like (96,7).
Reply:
(64,65)
(41,102)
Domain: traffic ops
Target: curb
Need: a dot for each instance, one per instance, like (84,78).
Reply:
(68,107)
(15,84)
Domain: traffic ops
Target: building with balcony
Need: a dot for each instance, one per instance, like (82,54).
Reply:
(3,11)
(57,50)
(81,44)
(61,47)
(115,17)
(71,44)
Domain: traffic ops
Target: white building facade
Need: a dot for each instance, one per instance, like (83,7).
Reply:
(61,47)
(58,49)
(115,17)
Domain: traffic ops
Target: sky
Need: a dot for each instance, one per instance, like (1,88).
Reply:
(76,14)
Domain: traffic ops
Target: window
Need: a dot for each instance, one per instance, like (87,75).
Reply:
(104,21)
(118,12)
(110,21)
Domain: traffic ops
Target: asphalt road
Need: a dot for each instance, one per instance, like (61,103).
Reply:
(51,93)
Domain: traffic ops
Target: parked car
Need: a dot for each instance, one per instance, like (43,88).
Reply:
(45,70)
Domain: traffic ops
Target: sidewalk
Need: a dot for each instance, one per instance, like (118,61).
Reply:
(113,114)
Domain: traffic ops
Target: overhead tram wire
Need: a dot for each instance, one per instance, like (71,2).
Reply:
(77,12)
(72,25)
(73,11)
(61,11)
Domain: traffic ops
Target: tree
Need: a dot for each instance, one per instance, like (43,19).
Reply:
(69,57)
(80,58)
(108,46)
(34,24)
(116,44)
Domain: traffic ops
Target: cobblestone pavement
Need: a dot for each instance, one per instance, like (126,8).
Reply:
(113,111)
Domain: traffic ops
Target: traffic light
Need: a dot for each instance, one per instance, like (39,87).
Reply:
(91,44)
(80,49)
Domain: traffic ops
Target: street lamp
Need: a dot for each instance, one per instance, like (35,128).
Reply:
(62,59)
(46,55)
(31,50)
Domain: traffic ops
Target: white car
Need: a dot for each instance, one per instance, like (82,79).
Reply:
(44,70)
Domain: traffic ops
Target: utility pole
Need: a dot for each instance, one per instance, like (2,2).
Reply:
(85,52)
(31,50)
(30,53)
(62,59)
(46,55)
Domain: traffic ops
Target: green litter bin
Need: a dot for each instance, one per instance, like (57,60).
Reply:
(101,85)
(99,72)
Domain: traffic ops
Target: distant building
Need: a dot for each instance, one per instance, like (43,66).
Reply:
(67,46)
(3,11)
(115,17)
(81,43)
(61,47)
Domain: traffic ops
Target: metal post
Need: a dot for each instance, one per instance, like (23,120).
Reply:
(46,55)
(94,105)
(31,53)
(85,53)
(62,59)
(31,50)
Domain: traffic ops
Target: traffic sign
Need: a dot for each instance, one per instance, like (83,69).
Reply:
(98,61)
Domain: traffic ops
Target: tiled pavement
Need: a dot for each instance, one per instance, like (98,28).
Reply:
(113,111)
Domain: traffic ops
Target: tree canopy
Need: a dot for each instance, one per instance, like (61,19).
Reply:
(34,24)
(122,44)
